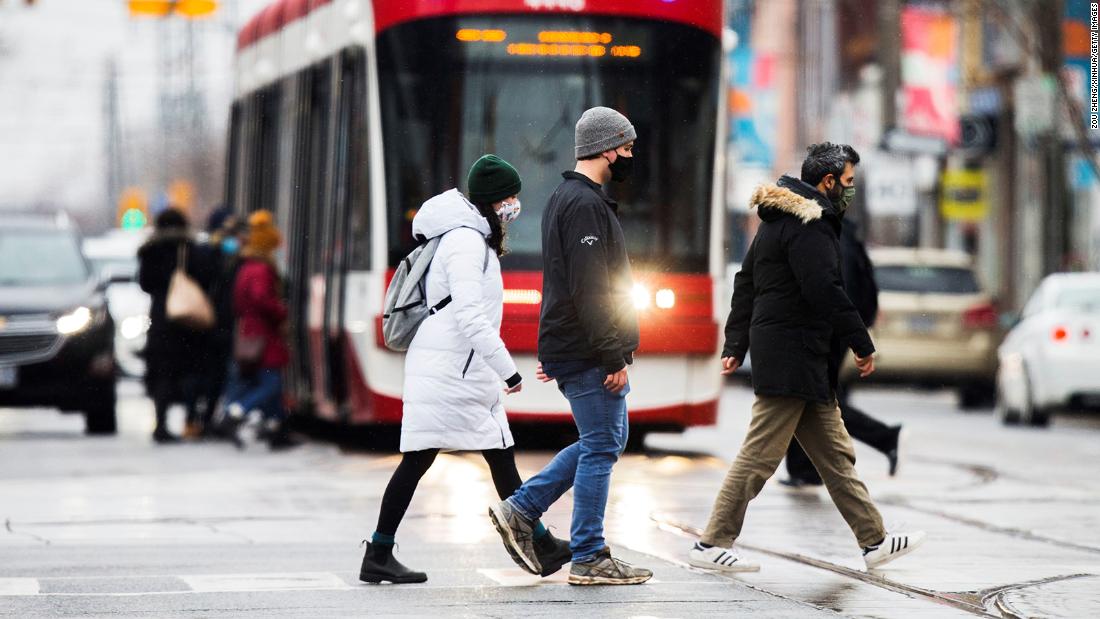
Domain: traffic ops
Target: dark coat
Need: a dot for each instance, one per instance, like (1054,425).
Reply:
(225,267)
(172,351)
(587,311)
(858,273)
(789,306)
(261,311)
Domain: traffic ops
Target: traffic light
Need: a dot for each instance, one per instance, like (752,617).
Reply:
(133,209)
(133,219)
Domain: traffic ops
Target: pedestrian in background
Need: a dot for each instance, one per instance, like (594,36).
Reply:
(174,353)
(588,332)
(222,249)
(457,362)
(789,307)
(260,348)
(859,283)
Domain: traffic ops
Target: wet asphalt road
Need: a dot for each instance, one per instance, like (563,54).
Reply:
(120,527)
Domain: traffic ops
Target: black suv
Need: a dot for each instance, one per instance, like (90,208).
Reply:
(56,336)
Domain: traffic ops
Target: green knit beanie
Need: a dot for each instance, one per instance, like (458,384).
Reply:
(491,179)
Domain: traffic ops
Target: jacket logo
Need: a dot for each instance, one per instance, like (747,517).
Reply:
(590,240)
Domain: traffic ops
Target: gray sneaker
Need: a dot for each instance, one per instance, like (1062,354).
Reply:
(604,569)
(518,535)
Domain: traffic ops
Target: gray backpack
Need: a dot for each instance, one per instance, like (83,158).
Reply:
(406,304)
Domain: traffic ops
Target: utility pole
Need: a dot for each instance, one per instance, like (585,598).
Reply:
(889,58)
(1047,16)
(116,172)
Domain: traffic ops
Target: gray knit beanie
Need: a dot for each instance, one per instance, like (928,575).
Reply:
(601,129)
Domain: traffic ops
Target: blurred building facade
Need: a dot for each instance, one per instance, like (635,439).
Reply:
(971,117)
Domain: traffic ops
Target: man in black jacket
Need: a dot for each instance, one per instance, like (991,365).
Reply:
(789,306)
(588,332)
(859,282)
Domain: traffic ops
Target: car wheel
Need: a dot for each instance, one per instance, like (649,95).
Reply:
(973,397)
(1035,416)
(100,417)
(1008,416)
(1040,418)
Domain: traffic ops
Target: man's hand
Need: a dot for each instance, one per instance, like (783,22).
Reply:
(866,365)
(511,390)
(541,375)
(729,365)
(616,382)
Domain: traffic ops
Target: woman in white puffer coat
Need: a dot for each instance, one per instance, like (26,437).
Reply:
(457,367)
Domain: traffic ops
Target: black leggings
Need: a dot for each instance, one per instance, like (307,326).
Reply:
(399,492)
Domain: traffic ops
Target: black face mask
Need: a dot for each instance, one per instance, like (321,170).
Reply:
(622,168)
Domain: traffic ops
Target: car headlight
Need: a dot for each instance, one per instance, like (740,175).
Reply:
(75,321)
(133,327)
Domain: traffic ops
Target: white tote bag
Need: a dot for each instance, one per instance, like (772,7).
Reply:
(187,303)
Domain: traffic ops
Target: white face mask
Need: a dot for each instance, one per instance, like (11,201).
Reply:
(509,211)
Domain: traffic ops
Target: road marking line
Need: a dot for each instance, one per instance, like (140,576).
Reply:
(208,583)
(18,586)
(515,577)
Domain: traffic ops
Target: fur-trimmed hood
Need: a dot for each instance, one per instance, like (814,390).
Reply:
(790,196)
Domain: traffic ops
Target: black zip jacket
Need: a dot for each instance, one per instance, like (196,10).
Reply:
(789,305)
(587,310)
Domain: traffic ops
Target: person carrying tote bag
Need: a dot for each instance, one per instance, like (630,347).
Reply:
(187,304)
(173,274)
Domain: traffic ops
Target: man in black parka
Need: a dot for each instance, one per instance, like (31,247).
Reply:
(789,308)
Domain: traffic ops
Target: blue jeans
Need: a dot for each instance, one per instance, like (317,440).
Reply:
(263,391)
(585,465)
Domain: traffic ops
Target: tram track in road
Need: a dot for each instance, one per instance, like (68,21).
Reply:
(989,602)
(995,598)
(989,527)
(968,602)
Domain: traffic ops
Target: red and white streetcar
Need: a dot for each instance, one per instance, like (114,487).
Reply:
(348,114)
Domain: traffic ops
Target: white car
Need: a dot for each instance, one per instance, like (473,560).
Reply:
(1051,358)
(114,255)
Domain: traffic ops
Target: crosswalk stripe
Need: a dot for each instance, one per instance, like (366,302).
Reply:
(18,586)
(207,583)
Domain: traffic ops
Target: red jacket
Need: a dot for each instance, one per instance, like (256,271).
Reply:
(261,311)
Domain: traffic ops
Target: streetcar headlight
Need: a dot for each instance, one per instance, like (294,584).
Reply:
(641,296)
(75,321)
(665,298)
(134,326)
(516,296)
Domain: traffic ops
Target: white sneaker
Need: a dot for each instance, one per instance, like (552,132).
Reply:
(235,411)
(895,545)
(719,559)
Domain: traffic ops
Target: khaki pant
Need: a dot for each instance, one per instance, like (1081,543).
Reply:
(822,435)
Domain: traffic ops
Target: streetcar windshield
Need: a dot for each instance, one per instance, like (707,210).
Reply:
(455,88)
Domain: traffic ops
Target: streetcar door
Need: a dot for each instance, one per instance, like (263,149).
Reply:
(331,392)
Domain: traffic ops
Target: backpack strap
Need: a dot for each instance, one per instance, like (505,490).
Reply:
(445,301)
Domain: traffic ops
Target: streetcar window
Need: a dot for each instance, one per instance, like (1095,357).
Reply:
(357,168)
(267,106)
(233,171)
(449,97)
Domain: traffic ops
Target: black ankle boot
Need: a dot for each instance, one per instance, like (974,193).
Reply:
(552,553)
(380,565)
